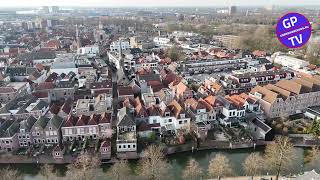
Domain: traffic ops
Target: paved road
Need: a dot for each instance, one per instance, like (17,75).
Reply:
(114,79)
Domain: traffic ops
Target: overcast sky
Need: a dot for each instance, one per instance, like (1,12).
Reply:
(15,3)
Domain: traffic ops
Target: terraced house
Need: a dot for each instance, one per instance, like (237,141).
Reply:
(288,97)
(53,130)
(24,135)
(37,130)
(8,136)
(91,127)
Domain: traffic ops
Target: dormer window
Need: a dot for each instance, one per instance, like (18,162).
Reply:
(182,116)
(167,114)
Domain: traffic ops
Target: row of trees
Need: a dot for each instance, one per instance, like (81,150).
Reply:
(263,38)
(278,158)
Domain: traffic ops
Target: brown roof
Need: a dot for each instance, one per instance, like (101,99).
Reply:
(304,82)
(67,106)
(175,107)
(195,105)
(267,95)
(314,79)
(105,118)
(237,100)
(291,86)
(94,119)
(153,111)
(213,101)
(71,121)
(125,90)
(284,93)
(45,85)
(147,127)
(52,77)
(40,67)
(105,144)
(7,90)
(55,108)
(205,104)
(83,120)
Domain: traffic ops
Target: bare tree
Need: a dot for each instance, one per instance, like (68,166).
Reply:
(253,165)
(119,171)
(219,167)
(193,171)
(84,168)
(312,156)
(47,171)
(279,156)
(153,166)
(12,174)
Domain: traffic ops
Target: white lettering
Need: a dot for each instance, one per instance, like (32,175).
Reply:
(293,20)
(297,38)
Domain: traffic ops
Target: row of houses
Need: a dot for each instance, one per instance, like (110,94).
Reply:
(288,97)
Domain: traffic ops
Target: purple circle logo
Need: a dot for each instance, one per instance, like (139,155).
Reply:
(293,30)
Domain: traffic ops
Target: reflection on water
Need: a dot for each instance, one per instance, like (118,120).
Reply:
(179,161)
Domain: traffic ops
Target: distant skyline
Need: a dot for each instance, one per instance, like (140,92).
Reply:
(153,3)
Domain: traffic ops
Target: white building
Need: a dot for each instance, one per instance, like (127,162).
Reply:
(89,51)
(115,45)
(64,63)
(290,62)
(171,117)
(161,41)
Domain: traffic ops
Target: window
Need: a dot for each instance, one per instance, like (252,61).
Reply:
(170,120)
(180,122)
(128,146)
(124,146)
(134,146)
(119,146)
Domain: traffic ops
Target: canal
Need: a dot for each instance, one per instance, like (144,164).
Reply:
(179,161)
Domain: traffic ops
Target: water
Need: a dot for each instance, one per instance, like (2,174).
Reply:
(179,161)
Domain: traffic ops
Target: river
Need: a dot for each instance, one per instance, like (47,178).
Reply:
(179,161)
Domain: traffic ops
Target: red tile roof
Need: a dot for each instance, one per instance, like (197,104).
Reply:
(71,121)
(83,120)
(105,118)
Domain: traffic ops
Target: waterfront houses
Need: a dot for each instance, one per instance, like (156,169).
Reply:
(126,131)
(38,130)
(25,137)
(91,127)
(8,135)
(52,130)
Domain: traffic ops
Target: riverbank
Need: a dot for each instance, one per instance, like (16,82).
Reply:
(178,163)
(246,178)
(212,145)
